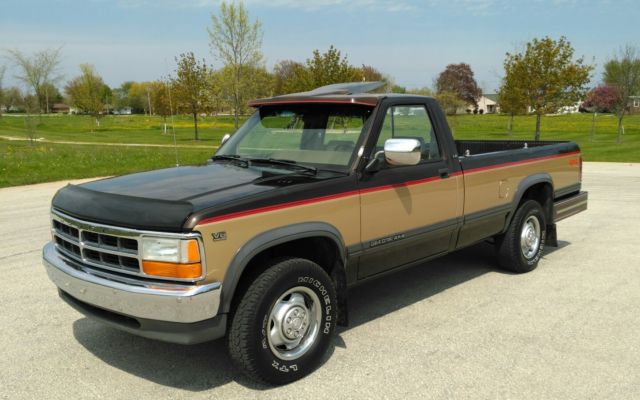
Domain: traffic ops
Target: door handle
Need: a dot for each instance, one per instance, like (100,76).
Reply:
(444,173)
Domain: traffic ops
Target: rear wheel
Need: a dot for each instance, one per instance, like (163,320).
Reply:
(285,322)
(519,249)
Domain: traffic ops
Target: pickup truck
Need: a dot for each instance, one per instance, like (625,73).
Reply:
(317,191)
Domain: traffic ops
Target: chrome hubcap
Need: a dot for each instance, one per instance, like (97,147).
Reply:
(294,323)
(530,237)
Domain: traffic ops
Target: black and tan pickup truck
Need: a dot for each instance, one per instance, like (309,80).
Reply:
(317,191)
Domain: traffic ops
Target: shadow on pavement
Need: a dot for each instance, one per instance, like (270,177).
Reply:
(206,366)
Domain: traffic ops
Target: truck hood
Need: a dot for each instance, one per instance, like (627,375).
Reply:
(178,184)
(165,199)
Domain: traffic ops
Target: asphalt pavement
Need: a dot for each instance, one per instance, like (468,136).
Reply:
(453,328)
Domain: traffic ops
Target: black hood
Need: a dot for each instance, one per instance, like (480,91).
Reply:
(165,199)
(178,184)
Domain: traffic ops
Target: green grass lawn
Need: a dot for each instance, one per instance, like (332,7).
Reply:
(576,127)
(118,129)
(25,163)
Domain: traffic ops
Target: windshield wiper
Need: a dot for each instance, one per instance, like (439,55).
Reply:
(284,163)
(243,162)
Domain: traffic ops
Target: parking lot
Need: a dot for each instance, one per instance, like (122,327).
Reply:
(452,328)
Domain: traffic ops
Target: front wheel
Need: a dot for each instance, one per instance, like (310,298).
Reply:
(519,249)
(285,322)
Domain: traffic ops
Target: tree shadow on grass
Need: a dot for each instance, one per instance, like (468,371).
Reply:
(206,366)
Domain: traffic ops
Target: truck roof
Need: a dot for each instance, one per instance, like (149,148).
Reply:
(339,93)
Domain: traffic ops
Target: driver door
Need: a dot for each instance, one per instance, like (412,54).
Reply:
(408,212)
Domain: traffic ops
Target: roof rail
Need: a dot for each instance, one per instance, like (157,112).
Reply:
(346,88)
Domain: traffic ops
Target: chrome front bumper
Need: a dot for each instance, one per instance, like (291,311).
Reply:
(174,303)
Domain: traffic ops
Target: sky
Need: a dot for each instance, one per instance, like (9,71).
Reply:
(410,40)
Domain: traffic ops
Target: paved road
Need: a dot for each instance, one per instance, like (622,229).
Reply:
(454,328)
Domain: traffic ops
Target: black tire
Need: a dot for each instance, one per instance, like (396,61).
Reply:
(250,345)
(511,256)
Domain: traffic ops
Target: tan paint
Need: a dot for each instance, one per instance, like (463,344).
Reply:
(494,187)
(404,208)
(342,213)
(385,212)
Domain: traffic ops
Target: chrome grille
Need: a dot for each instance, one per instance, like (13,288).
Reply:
(107,251)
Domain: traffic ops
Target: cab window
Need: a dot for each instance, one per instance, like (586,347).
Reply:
(410,122)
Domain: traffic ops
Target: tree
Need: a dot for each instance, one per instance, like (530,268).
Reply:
(13,99)
(603,98)
(191,86)
(623,73)
(450,102)
(512,101)
(120,96)
(88,92)
(289,77)
(139,96)
(328,68)
(236,41)
(161,98)
(424,91)
(2,70)
(547,76)
(53,93)
(458,79)
(371,74)
(38,70)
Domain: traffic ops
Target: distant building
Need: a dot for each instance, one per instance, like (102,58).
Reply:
(572,109)
(487,104)
(60,108)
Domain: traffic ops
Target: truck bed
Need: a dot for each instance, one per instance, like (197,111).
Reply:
(475,147)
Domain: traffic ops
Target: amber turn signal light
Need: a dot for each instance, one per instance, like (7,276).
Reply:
(172,270)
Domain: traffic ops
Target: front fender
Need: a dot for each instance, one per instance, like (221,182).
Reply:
(268,239)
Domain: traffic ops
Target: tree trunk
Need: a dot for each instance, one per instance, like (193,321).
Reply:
(195,124)
(510,124)
(538,127)
(236,97)
(593,127)
(620,129)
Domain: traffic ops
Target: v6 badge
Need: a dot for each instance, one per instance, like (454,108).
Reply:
(219,236)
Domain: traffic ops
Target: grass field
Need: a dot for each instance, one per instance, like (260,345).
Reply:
(25,162)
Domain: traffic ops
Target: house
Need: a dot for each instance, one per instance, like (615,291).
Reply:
(487,104)
(60,108)
(572,109)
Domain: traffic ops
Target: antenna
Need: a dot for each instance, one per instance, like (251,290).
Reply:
(173,126)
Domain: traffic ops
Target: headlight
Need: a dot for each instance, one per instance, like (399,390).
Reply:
(172,258)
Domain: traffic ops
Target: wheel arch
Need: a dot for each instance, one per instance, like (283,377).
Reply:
(244,265)
(537,187)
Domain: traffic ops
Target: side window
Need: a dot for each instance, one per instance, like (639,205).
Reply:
(411,122)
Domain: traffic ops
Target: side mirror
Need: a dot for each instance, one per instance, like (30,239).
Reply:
(224,139)
(402,151)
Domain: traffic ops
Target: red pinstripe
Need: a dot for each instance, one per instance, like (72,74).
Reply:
(320,199)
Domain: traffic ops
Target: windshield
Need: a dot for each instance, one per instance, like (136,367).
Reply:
(321,135)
